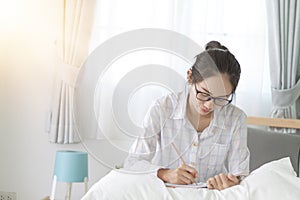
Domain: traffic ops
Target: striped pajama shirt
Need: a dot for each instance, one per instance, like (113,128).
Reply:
(219,148)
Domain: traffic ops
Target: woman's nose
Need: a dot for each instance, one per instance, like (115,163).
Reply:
(209,104)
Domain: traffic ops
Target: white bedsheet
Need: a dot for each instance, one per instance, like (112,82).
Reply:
(274,180)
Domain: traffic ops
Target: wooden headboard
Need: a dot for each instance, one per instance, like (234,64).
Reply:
(274,122)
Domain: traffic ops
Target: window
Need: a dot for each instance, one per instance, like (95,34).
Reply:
(239,25)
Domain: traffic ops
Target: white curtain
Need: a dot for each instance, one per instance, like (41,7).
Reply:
(284,45)
(72,49)
(240,25)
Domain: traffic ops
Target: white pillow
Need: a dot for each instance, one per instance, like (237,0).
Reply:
(121,185)
(273,180)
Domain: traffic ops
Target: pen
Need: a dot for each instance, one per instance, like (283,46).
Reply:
(177,152)
(175,148)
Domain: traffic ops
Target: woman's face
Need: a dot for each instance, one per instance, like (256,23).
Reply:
(214,86)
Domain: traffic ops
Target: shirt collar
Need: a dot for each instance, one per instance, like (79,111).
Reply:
(180,101)
(220,118)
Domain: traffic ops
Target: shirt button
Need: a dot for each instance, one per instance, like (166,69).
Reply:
(195,144)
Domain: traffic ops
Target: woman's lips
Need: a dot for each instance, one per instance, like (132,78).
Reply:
(205,110)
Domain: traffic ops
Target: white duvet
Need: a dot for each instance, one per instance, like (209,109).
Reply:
(274,180)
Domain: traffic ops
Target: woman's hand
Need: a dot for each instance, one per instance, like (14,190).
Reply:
(222,181)
(182,175)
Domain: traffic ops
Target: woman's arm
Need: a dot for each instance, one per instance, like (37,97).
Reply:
(237,159)
(239,156)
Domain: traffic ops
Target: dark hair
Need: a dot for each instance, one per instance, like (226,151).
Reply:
(214,60)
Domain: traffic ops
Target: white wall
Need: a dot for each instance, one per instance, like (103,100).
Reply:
(27,59)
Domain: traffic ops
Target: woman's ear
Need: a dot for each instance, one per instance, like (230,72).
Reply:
(189,76)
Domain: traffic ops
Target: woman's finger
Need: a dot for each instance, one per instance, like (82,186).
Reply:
(209,185)
(187,175)
(184,180)
(233,178)
(213,183)
(190,169)
(225,180)
(218,182)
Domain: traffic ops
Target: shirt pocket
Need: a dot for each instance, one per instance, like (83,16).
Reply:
(217,157)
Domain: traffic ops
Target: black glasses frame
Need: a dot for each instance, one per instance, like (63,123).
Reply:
(209,97)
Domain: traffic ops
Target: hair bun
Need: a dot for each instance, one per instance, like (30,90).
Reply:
(215,45)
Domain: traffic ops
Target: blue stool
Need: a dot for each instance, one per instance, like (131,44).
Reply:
(70,166)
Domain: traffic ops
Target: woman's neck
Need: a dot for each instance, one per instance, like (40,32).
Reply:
(199,122)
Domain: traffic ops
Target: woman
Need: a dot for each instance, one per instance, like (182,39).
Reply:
(200,124)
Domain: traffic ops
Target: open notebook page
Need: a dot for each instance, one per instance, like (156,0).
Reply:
(194,185)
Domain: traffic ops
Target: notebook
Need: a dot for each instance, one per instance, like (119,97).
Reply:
(194,185)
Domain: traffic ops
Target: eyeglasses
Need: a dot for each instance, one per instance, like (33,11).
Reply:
(202,96)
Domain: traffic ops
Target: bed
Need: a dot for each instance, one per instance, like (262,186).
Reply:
(266,146)
(274,166)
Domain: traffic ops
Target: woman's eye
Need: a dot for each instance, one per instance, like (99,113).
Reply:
(205,95)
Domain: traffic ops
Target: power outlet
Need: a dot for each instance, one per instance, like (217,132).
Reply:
(8,196)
